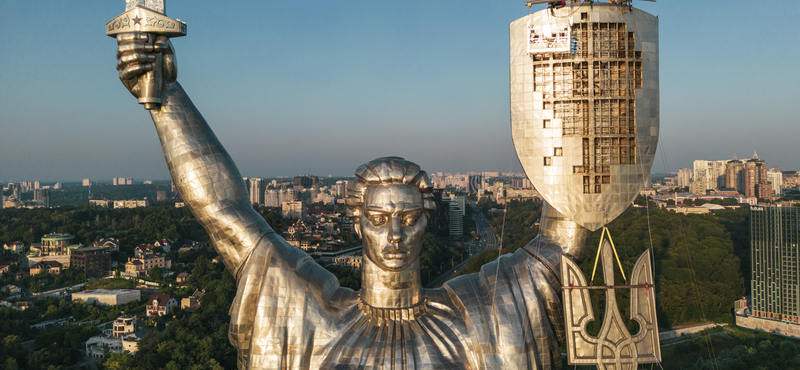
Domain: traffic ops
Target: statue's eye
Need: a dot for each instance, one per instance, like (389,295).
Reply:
(410,220)
(377,220)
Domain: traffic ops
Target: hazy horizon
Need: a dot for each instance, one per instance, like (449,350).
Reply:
(322,87)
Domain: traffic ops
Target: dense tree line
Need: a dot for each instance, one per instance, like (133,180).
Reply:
(732,349)
(131,226)
(697,258)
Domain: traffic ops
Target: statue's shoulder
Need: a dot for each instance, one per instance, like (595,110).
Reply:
(504,276)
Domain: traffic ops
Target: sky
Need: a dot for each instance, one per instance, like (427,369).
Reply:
(320,87)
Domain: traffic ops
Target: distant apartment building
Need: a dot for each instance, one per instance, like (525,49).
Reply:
(42,196)
(86,182)
(776,179)
(518,194)
(755,178)
(101,203)
(257,189)
(774,245)
(710,173)
(294,210)
(355,262)
(93,262)
(791,180)
(131,203)
(122,181)
(734,175)
(305,181)
(456,221)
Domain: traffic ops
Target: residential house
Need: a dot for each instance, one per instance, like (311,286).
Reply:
(141,250)
(192,303)
(183,277)
(165,244)
(16,247)
(51,267)
(139,266)
(160,304)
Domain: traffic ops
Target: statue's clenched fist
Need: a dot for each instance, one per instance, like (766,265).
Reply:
(146,65)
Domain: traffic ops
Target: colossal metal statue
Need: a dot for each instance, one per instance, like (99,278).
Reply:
(290,313)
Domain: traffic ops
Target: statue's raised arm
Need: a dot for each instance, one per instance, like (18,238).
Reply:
(204,173)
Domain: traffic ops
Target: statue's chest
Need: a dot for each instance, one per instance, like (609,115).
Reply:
(424,343)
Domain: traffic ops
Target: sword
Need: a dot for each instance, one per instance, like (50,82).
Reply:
(147,16)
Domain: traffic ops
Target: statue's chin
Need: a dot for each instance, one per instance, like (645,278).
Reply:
(394,262)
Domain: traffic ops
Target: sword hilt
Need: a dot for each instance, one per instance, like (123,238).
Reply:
(142,19)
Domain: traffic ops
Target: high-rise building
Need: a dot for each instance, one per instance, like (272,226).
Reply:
(755,178)
(456,221)
(305,181)
(257,189)
(776,179)
(439,218)
(87,182)
(585,99)
(734,175)
(271,198)
(294,210)
(774,241)
(712,173)
(42,196)
(684,177)
(93,262)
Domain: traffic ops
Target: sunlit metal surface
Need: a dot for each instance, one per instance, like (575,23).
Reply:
(585,121)
(290,313)
(614,347)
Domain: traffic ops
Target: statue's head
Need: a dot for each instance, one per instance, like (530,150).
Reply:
(389,205)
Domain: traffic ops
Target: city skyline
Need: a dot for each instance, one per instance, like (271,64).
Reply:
(320,87)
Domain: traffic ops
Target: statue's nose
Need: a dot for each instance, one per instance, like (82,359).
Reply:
(395,231)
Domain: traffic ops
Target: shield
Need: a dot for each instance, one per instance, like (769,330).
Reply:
(585,121)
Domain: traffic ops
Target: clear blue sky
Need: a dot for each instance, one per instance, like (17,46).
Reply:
(319,87)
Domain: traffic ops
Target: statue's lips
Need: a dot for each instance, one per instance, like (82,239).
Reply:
(392,252)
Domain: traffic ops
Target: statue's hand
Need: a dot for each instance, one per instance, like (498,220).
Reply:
(139,53)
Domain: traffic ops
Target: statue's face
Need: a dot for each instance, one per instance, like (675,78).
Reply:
(392,225)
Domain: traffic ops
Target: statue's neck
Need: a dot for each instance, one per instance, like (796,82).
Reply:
(390,289)
(555,228)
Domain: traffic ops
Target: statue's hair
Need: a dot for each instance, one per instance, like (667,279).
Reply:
(386,171)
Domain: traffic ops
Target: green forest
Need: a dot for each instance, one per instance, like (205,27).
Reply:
(183,341)
(701,267)
(700,260)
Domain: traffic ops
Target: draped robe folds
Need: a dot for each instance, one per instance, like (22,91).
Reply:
(290,313)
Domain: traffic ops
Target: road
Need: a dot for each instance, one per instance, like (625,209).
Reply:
(488,236)
(488,241)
